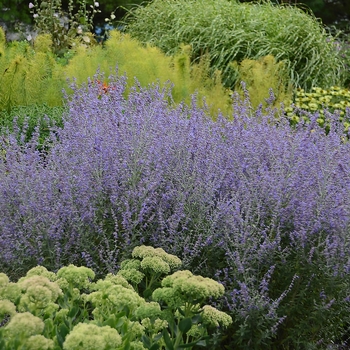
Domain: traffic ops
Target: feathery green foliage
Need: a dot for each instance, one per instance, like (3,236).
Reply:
(149,65)
(260,76)
(232,31)
(29,75)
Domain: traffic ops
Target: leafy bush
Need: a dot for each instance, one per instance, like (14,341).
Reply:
(263,208)
(66,310)
(33,75)
(232,31)
(148,65)
(66,29)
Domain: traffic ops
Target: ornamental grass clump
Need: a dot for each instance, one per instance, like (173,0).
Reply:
(254,203)
(233,31)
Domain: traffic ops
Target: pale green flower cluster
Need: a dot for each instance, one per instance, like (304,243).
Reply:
(145,251)
(155,264)
(155,326)
(39,342)
(183,286)
(149,263)
(79,277)
(146,310)
(38,293)
(214,317)
(7,308)
(112,298)
(41,271)
(42,302)
(132,275)
(8,290)
(24,324)
(86,336)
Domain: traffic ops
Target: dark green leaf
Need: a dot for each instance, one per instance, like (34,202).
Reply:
(185,325)
(167,340)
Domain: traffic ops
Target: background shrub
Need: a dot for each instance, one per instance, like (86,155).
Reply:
(260,76)
(34,75)
(29,74)
(262,208)
(230,31)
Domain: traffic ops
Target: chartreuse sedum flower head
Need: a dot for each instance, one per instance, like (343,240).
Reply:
(39,342)
(36,297)
(113,298)
(155,264)
(7,308)
(132,275)
(78,277)
(148,310)
(8,290)
(40,271)
(109,282)
(215,318)
(130,264)
(192,287)
(24,324)
(4,280)
(170,296)
(27,283)
(91,337)
(39,293)
(146,251)
(137,345)
(154,326)
(117,279)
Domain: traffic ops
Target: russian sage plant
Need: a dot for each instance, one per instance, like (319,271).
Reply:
(259,205)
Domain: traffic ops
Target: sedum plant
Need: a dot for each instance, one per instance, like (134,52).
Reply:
(67,310)
(233,31)
(254,203)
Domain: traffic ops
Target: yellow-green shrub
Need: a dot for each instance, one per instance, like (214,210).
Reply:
(260,76)
(148,64)
(29,75)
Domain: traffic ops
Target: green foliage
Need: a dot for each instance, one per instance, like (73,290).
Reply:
(260,76)
(231,31)
(29,76)
(149,65)
(28,118)
(67,310)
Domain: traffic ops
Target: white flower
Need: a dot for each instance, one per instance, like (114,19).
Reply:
(31,5)
(86,39)
(79,30)
(106,19)
(112,16)
(29,37)
(97,4)
(35,15)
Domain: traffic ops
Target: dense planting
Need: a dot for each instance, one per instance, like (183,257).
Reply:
(231,31)
(146,305)
(263,208)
